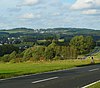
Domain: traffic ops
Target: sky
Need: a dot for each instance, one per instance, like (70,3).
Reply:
(50,14)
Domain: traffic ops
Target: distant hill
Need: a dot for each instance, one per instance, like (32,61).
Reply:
(18,30)
(23,35)
(64,31)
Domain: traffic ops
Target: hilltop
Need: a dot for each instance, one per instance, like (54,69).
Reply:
(68,31)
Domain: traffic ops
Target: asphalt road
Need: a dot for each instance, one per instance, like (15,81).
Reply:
(73,78)
(97,50)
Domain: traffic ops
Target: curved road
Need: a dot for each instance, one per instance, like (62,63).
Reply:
(73,78)
(96,50)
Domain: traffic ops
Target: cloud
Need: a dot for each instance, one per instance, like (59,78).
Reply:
(30,2)
(30,16)
(86,4)
(56,14)
(17,9)
(91,11)
(87,7)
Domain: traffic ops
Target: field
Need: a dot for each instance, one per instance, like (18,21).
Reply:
(16,69)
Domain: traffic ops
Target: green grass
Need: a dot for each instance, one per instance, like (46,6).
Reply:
(16,69)
(97,85)
(61,40)
(24,44)
(97,55)
(41,41)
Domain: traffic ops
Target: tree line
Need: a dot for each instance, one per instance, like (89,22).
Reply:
(77,45)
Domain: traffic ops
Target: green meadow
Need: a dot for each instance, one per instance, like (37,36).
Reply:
(16,69)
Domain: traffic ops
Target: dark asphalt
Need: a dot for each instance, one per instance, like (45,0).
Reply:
(96,50)
(73,78)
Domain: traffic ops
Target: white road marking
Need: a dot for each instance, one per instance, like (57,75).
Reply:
(14,77)
(45,80)
(39,73)
(94,69)
(90,84)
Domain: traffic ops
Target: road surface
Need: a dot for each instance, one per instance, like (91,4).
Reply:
(96,50)
(73,78)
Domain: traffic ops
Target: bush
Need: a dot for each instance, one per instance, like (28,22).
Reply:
(5,58)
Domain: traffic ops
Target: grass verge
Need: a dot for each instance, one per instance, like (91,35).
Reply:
(97,85)
(15,69)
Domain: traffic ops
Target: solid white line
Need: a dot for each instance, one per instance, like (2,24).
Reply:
(39,73)
(94,69)
(90,84)
(15,77)
(45,80)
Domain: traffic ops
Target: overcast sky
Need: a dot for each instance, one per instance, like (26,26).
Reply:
(50,13)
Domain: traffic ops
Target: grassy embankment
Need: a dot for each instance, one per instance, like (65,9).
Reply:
(97,85)
(16,69)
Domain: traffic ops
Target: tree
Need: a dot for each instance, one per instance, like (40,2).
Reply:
(38,52)
(68,52)
(89,43)
(58,50)
(64,52)
(7,49)
(27,54)
(82,44)
(72,52)
(53,45)
(5,58)
(49,53)
(12,55)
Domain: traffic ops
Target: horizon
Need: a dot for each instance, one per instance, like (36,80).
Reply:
(43,14)
(47,28)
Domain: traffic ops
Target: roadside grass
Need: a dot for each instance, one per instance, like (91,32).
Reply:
(97,85)
(16,69)
(97,56)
